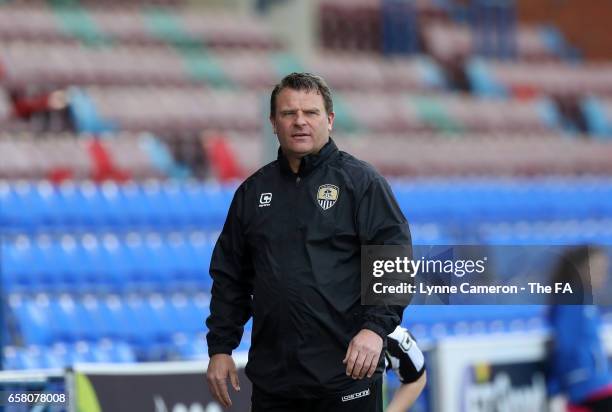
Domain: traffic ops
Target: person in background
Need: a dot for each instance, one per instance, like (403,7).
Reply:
(579,378)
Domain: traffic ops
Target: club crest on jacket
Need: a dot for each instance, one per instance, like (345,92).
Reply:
(327,195)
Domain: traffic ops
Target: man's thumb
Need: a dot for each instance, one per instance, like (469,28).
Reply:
(234,380)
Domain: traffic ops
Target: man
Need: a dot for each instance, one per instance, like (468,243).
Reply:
(289,255)
(405,358)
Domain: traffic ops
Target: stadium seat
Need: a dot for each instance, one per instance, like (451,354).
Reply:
(190,346)
(191,311)
(32,316)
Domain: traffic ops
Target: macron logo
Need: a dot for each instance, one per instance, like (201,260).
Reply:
(265,199)
(356,395)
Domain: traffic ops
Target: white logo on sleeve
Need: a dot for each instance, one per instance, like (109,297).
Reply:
(265,199)
(356,395)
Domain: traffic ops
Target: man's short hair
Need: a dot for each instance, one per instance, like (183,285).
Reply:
(303,81)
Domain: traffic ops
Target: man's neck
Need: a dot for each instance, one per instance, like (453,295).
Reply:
(294,163)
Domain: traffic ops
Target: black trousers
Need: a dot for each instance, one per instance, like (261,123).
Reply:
(370,400)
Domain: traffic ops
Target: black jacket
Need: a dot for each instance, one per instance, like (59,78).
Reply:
(292,243)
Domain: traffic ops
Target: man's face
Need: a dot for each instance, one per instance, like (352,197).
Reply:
(301,122)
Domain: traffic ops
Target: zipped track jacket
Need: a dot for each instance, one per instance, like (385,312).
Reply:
(289,256)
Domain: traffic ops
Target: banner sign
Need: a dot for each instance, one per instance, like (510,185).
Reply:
(167,389)
(491,387)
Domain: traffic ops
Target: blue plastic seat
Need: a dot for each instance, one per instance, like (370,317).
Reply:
(67,354)
(102,352)
(89,206)
(209,204)
(142,264)
(110,207)
(16,259)
(10,206)
(120,316)
(191,347)
(81,352)
(39,274)
(67,207)
(155,262)
(33,318)
(51,359)
(191,313)
(91,324)
(63,322)
(32,357)
(34,211)
(155,206)
(12,358)
(95,256)
(70,321)
(201,250)
(144,328)
(116,261)
(182,263)
(122,352)
(165,316)
(62,270)
(177,209)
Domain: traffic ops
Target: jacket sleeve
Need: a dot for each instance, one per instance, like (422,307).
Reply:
(232,272)
(381,222)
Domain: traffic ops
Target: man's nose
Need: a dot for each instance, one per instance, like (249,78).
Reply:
(300,119)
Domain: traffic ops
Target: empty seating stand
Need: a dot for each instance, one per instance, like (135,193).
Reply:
(107,327)
(449,40)
(162,110)
(384,113)
(122,271)
(79,157)
(71,63)
(452,154)
(61,355)
(38,207)
(143,218)
(490,78)
(345,71)
(107,263)
(94,23)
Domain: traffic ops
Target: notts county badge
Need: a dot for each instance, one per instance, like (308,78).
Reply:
(327,196)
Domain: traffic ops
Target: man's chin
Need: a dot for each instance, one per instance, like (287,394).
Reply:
(301,150)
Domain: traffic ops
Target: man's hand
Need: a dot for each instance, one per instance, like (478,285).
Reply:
(219,368)
(363,354)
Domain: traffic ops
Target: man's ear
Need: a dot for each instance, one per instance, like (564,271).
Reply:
(330,119)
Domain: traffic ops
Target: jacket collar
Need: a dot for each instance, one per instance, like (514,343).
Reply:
(309,162)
